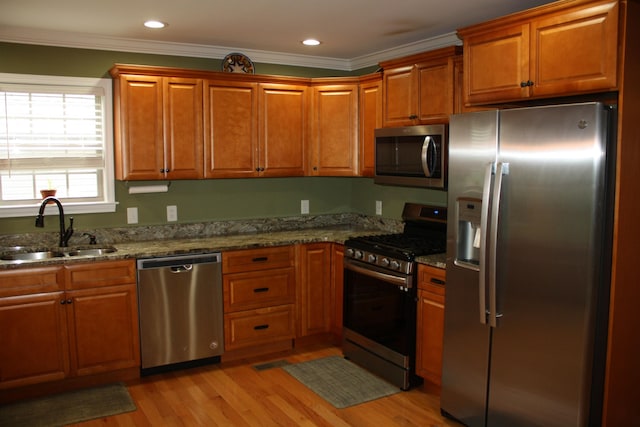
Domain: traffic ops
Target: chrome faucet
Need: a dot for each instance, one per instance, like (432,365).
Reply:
(65,235)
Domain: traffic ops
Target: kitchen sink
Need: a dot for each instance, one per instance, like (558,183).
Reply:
(89,251)
(31,256)
(22,253)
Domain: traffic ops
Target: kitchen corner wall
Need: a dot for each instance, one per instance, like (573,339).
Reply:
(212,199)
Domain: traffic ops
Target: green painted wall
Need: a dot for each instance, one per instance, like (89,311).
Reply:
(207,200)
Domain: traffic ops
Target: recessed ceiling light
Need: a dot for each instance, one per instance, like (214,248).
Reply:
(311,42)
(154,24)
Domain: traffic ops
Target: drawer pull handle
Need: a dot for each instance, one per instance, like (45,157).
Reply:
(257,290)
(260,327)
(437,281)
(260,259)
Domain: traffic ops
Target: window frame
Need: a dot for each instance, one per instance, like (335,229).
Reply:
(109,203)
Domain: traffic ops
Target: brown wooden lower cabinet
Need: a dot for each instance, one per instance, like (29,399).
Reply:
(52,331)
(314,288)
(430,328)
(259,300)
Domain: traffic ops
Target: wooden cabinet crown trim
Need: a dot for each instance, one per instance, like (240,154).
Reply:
(529,14)
(444,54)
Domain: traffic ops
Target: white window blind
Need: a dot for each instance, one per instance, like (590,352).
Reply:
(55,132)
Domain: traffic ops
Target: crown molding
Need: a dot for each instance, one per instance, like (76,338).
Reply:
(98,42)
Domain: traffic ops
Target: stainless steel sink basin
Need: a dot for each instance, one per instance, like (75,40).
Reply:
(89,251)
(25,253)
(31,256)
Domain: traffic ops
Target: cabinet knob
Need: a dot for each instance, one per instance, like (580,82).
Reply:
(526,84)
(413,117)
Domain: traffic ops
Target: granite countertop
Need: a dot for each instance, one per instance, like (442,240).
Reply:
(437,260)
(168,247)
(159,241)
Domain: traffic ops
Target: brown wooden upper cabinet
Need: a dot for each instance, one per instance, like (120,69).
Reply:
(158,122)
(552,50)
(419,89)
(254,129)
(370,118)
(334,130)
(283,120)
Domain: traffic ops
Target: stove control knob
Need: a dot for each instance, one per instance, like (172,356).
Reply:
(350,252)
(371,258)
(358,255)
(385,262)
(395,265)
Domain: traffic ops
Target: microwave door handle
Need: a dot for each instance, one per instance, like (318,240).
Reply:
(429,156)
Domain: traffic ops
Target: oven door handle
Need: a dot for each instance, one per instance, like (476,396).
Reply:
(396,280)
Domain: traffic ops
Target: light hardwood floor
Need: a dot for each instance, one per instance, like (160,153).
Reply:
(236,394)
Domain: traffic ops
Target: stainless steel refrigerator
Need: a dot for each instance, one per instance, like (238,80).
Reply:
(528,263)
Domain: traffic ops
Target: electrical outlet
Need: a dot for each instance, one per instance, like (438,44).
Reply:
(378,207)
(172,213)
(132,215)
(304,207)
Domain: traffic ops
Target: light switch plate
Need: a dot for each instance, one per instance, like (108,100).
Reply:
(378,207)
(304,207)
(132,215)
(172,213)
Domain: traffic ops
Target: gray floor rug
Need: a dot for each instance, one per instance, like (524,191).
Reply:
(339,381)
(67,408)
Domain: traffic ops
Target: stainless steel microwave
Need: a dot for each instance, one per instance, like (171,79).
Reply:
(413,156)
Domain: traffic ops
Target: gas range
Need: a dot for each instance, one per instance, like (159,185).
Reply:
(424,233)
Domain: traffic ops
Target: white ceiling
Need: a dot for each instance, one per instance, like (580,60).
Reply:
(354,33)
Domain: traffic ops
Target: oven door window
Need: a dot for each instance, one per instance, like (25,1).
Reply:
(380,311)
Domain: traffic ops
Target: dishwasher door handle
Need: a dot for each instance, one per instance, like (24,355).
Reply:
(182,268)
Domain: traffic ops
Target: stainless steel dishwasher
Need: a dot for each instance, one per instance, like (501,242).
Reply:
(180,305)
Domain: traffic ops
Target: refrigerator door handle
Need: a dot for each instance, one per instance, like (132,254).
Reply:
(501,170)
(484,227)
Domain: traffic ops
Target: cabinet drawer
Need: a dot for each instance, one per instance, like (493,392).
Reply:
(31,281)
(261,326)
(97,274)
(431,279)
(243,291)
(258,259)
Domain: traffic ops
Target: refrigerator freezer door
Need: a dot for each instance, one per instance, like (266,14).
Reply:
(549,253)
(472,149)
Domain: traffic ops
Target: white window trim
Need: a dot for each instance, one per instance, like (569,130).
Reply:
(69,207)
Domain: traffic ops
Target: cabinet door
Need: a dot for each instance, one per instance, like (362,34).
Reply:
(231,129)
(575,51)
(370,120)
(337,289)
(139,149)
(183,132)
(435,93)
(314,314)
(33,339)
(430,327)
(103,329)
(399,107)
(334,132)
(496,64)
(283,117)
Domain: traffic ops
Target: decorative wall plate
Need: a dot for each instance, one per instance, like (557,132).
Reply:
(237,63)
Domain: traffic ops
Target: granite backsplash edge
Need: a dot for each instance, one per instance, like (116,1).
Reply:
(130,234)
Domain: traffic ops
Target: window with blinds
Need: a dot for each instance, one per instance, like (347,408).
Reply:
(55,133)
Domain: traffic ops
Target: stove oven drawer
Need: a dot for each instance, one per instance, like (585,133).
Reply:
(261,326)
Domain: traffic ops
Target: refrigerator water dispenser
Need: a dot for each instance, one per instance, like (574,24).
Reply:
(469,233)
